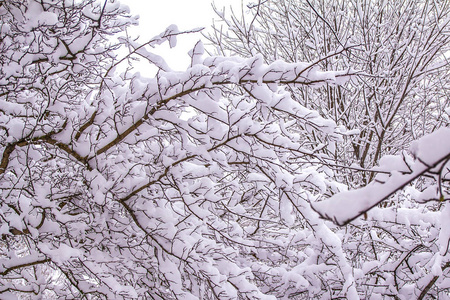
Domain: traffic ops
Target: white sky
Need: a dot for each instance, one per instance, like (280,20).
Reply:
(156,16)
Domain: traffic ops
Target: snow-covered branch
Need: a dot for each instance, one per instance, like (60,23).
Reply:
(431,155)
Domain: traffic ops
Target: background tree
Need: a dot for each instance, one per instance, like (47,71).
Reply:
(400,47)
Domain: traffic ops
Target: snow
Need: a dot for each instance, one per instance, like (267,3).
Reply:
(36,16)
(432,147)
(444,233)
(171,33)
(196,53)
(62,254)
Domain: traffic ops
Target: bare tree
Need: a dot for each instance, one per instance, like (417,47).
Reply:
(400,46)
(395,233)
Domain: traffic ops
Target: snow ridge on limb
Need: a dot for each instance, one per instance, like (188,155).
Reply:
(431,153)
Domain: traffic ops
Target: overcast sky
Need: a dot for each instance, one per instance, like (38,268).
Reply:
(157,15)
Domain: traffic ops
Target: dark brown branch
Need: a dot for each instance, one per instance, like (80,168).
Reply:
(37,140)
(5,157)
(38,262)
(431,283)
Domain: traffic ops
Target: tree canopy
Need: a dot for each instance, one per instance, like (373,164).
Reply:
(219,182)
